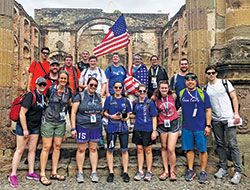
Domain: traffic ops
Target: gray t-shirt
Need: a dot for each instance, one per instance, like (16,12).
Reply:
(88,105)
(58,103)
(220,101)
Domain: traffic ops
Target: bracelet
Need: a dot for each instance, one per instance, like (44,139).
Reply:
(73,129)
(209,126)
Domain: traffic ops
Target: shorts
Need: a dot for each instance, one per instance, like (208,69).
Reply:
(142,138)
(86,135)
(35,131)
(111,140)
(49,129)
(189,138)
(174,127)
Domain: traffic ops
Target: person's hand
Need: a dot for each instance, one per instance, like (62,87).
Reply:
(115,116)
(207,131)
(25,133)
(236,119)
(73,133)
(154,135)
(125,119)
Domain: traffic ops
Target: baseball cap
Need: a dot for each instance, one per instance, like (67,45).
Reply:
(41,80)
(54,62)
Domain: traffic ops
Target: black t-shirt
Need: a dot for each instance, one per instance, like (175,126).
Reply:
(34,113)
(81,65)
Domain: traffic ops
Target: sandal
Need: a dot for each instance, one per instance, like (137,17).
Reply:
(57,177)
(172,176)
(164,176)
(45,181)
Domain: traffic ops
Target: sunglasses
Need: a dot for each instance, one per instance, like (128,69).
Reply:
(118,87)
(91,85)
(142,91)
(45,53)
(209,73)
(42,84)
(194,77)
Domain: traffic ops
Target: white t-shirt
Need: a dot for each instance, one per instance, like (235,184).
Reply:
(93,73)
(220,101)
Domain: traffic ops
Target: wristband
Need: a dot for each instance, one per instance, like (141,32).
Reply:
(209,126)
(73,129)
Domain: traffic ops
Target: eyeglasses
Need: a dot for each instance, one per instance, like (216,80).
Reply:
(118,87)
(91,85)
(209,73)
(142,91)
(191,76)
(45,53)
(42,84)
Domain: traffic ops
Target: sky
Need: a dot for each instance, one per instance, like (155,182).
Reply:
(125,6)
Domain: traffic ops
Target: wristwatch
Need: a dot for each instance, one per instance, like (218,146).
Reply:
(209,126)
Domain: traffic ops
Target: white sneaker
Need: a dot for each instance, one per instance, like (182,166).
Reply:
(221,173)
(236,178)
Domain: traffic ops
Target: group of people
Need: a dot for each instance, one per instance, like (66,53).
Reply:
(153,108)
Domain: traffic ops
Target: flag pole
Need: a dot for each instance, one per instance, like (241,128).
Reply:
(130,55)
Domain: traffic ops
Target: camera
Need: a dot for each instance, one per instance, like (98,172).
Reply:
(124,115)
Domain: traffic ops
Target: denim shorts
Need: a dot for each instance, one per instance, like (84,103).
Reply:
(111,140)
(19,130)
(86,135)
(194,138)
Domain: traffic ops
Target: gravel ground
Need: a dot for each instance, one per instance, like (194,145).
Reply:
(180,184)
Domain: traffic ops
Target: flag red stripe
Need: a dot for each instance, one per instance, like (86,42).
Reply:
(113,49)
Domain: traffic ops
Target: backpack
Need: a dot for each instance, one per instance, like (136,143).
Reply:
(175,80)
(124,100)
(200,92)
(82,94)
(147,105)
(16,106)
(224,82)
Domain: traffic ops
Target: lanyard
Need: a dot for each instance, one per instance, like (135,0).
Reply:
(41,99)
(195,97)
(92,99)
(166,108)
(154,74)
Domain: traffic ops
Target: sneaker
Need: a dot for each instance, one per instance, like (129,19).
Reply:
(236,178)
(94,177)
(190,175)
(125,177)
(13,180)
(138,176)
(148,176)
(221,173)
(79,177)
(33,175)
(110,178)
(203,177)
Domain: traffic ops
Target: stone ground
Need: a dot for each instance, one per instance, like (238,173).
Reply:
(180,184)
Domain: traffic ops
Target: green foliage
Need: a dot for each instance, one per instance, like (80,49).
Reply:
(117,11)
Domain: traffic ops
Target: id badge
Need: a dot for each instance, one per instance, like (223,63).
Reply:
(154,85)
(167,123)
(62,116)
(43,119)
(194,112)
(92,118)
(153,80)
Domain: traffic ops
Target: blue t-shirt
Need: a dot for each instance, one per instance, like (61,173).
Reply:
(180,83)
(116,74)
(143,119)
(110,105)
(189,122)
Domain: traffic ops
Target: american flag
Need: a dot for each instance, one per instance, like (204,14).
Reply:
(116,38)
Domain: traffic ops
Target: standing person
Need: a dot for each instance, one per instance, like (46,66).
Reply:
(139,72)
(224,110)
(28,130)
(117,109)
(115,72)
(94,71)
(84,64)
(73,72)
(86,124)
(168,127)
(196,125)
(54,68)
(53,129)
(155,74)
(38,68)
(144,134)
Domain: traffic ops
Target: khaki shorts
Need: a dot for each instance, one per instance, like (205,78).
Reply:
(49,129)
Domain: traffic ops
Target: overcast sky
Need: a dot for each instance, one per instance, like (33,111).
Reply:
(125,6)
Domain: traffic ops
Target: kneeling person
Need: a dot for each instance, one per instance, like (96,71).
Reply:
(145,114)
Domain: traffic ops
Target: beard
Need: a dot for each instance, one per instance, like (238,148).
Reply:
(184,70)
